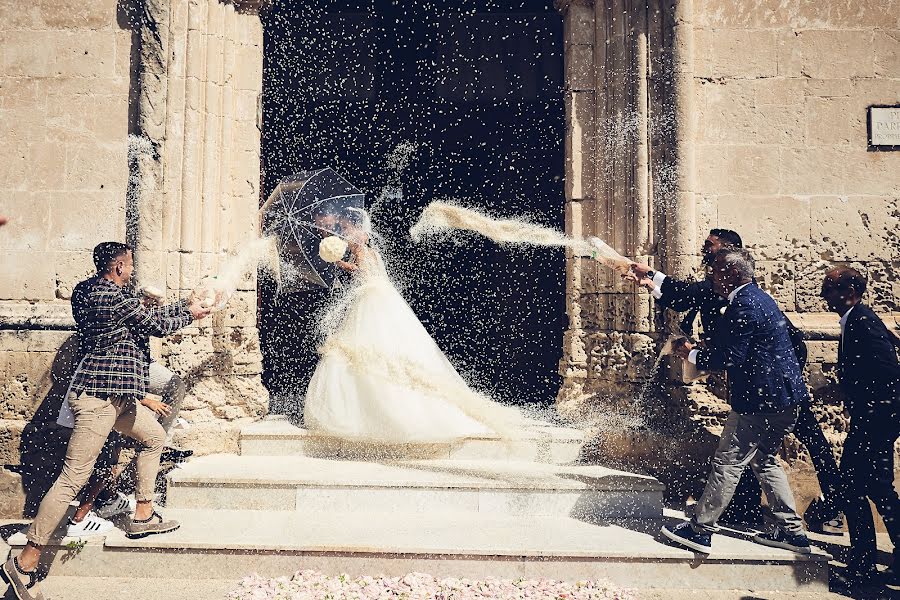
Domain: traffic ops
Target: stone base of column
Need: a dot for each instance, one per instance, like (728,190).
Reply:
(221,365)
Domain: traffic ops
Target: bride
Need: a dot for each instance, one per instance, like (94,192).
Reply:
(381,376)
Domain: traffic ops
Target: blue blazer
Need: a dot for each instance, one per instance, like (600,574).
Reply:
(755,350)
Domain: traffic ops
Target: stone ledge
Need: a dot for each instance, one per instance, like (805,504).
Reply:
(826,326)
(48,315)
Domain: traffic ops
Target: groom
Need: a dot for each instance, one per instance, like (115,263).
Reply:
(766,388)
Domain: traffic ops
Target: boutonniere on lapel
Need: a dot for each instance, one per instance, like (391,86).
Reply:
(723,309)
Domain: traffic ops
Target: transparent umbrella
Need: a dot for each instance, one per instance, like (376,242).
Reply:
(300,212)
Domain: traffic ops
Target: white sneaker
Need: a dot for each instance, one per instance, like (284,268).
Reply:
(91,525)
(119,506)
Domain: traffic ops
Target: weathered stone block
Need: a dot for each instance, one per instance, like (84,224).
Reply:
(832,122)
(779,91)
(737,169)
(46,166)
(10,437)
(12,495)
(728,111)
(822,352)
(29,340)
(240,310)
(19,93)
(210,438)
(812,170)
(30,221)
(579,24)
(27,53)
(779,280)
(248,70)
(122,62)
(84,53)
(883,290)
(81,220)
(87,119)
(872,173)
(773,227)
(839,15)
(723,53)
(579,145)
(26,279)
(91,167)
(779,124)
(836,54)
(579,61)
(887,54)
(73,267)
(855,228)
(58,14)
(828,88)
(721,14)
(27,380)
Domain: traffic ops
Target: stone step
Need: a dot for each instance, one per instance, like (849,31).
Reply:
(500,487)
(229,544)
(541,442)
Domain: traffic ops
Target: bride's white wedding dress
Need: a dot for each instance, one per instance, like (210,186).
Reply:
(381,376)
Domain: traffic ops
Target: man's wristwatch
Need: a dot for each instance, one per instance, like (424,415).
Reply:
(650,274)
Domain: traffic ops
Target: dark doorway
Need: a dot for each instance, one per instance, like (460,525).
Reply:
(476,88)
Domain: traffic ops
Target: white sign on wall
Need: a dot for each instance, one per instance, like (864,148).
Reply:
(884,126)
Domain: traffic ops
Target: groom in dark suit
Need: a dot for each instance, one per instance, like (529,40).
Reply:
(870,379)
(766,388)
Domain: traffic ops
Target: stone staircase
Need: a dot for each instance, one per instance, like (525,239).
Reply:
(479,507)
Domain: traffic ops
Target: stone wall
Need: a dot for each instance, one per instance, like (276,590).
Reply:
(65,72)
(137,121)
(691,114)
(782,153)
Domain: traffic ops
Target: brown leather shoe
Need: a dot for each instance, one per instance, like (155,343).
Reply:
(150,526)
(24,584)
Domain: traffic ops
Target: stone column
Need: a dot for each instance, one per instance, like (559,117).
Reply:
(197,191)
(610,340)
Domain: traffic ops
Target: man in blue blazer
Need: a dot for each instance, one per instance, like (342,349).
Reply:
(869,375)
(698,297)
(765,388)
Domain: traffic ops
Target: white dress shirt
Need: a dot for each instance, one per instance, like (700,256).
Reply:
(844,319)
(658,279)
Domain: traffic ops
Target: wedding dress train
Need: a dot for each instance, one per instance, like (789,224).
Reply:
(381,376)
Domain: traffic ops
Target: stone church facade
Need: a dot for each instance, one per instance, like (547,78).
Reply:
(141,121)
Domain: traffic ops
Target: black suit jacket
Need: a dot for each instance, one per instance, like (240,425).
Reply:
(867,366)
(694,297)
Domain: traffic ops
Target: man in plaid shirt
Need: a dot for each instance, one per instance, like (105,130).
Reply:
(105,394)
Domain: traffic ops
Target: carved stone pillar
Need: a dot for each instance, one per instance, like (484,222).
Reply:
(196,188)
(610,340)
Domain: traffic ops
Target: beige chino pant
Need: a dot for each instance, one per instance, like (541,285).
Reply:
(94,419)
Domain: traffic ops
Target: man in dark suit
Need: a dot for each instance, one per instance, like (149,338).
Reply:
(870,379)
(698,297)
(766,388)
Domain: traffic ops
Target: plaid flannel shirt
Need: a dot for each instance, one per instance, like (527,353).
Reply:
(114,327)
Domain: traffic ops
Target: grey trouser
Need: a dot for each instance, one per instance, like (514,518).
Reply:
(750,440)
(94,419)
(169,386)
